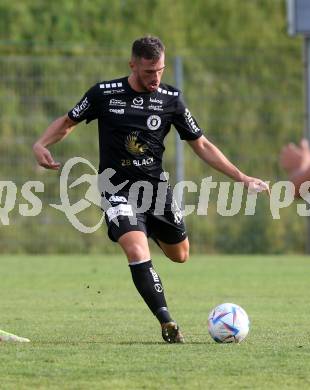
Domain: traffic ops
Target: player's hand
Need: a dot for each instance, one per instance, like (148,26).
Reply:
(44,157)
(255,185)
(293,157)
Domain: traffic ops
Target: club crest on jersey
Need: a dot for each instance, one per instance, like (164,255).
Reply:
(153,122)
(134,145)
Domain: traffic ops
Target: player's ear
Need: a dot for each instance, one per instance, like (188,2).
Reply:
(132,63)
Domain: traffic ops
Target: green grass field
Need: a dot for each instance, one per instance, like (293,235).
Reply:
(90,329)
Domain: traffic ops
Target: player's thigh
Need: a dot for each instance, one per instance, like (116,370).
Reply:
(130,233)
(135,245)
(119,216)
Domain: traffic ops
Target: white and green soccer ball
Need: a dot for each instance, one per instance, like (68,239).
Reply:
(228,323)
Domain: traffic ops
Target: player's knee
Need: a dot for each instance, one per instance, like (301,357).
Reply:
(135,251)
(180,257)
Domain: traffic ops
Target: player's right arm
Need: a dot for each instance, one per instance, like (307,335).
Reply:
(55,132)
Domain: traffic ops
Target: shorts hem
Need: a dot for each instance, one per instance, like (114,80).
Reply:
(176,240)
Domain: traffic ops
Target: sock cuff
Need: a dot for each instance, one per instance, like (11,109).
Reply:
(164,308)
(141,265)
(137,262)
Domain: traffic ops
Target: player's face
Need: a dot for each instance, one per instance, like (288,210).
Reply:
(148,73)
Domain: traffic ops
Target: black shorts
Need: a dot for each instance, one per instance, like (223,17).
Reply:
(166,225)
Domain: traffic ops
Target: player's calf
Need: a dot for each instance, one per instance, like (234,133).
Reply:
(179,253)
(150,287)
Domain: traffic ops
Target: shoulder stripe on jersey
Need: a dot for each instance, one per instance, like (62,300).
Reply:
(165,92)
(110,85)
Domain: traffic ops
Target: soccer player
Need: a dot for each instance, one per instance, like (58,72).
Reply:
(134,115)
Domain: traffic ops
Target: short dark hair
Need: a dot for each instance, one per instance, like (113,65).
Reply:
(147,47)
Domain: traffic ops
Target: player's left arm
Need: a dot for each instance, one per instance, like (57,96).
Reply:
(209,153)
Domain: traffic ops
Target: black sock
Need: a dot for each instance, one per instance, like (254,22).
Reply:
(150,287)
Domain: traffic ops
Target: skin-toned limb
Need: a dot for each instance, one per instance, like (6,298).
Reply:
(55,132)
(216,159)
(178,253)
(296,162)
(298,178)
(295,157)
(135,245)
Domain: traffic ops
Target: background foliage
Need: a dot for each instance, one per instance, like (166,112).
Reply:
(242,81)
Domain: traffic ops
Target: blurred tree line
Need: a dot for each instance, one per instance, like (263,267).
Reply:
(242,81)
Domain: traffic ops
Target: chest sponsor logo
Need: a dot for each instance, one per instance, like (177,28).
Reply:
(153,122)
(157,104)
(118,111)
(117,103)
(156,101)
(155,108)
(137,102)
(80,108)
(190,121)
(113,91)
(143,162)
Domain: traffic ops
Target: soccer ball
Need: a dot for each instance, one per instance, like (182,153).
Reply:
(228,323)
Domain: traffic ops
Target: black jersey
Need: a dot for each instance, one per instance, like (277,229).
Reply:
(133,125)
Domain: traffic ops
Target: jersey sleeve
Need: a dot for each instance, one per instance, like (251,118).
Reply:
(185,123)
(86,108)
